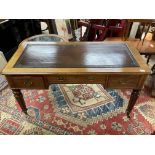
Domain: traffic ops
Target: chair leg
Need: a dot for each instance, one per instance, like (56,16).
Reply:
(148,59)
(153,67)
(146,33)
(146,56)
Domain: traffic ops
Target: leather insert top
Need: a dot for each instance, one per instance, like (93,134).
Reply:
(72,55)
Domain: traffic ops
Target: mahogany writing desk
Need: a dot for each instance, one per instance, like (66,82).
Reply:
(36,65)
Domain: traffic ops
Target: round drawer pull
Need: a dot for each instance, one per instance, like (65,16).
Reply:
(28,83)
(60,78)
(123,82)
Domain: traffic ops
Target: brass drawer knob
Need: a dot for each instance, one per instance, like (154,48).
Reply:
(60,78)
(28,83)
(123,82)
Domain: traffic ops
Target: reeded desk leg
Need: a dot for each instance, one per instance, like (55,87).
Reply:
(19,97)
(133,98)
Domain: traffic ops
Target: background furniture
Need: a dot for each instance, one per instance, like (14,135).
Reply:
(116,27)
(83,35)
(99,29)
(145,23)
(13,31)
(100,32)
(61,27)
(95,30)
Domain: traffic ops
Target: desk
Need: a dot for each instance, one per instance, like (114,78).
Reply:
(36,65)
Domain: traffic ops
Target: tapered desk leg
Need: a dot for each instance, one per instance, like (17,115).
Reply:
(133,98)
(19,97)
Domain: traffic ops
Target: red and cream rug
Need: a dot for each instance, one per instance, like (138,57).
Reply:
(76,109)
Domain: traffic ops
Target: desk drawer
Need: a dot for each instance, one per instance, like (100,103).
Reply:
(29,82)
(76,79)
(123,81)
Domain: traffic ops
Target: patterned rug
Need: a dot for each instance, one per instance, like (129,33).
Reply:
(76,109)
(3,82)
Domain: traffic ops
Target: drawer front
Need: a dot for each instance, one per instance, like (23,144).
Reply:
(123,81)
(29,82)
(79,79)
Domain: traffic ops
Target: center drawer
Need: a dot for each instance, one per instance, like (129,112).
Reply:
(123,81)
(79,79)
(28,82)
